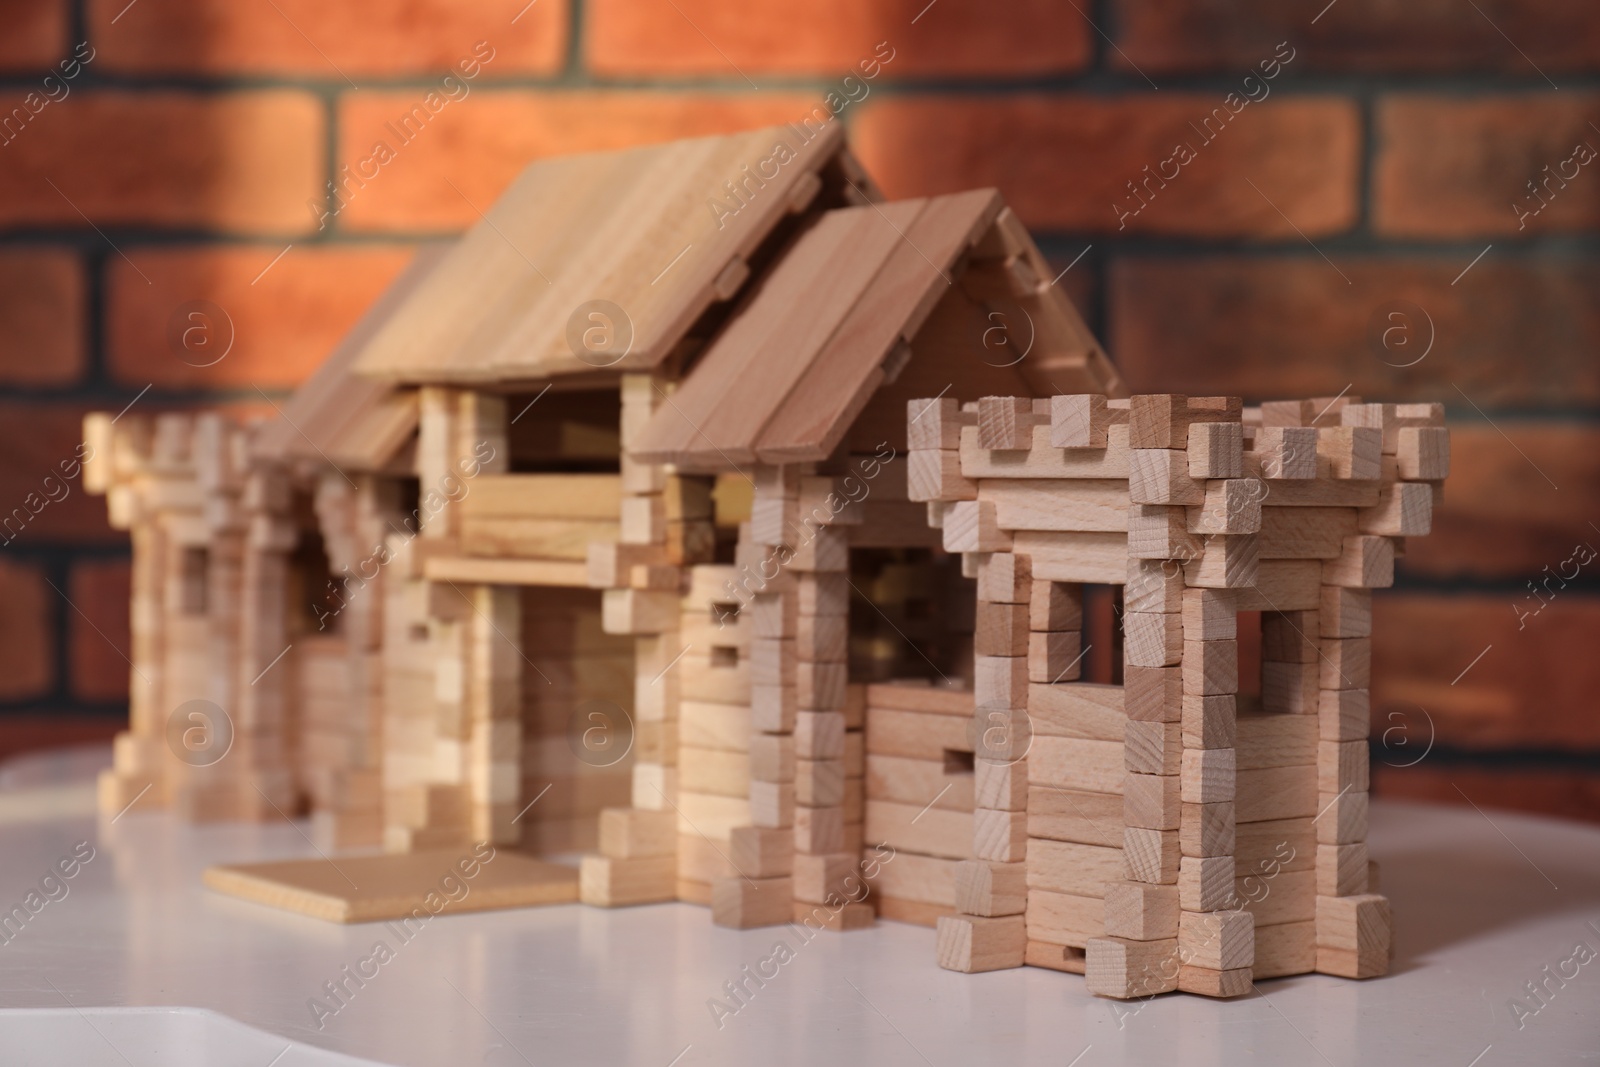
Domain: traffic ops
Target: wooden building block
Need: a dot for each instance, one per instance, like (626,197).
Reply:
(1207,830)
(1161,476)
(1141,911)
(818,830)
(1000,682)
(1151,801)
(991,889)
(1154,694)
(1365,562)
(1221,940)
(1209,615)
(819,783)
(1342,819)
(1354,453)
(1005,578)
(746,903)
(972,943)
(1001,836)
(817,876)
(1001,629)
(1152,585)
(821,638)
(1118,967)
(1055,607)
(1342,765)
(638,611)
(1404,509)
(1078,421)
(823,594)
(1342,869)
(1150,855)
(610,882)
(1345,612)
(1210,668)
(819,735)
(934,424)
(1423,453)
(1000,784)
(820,686)
(1152,640)
(1230,506)
(1346,663)
(1209,982)
(772,804)
(970,526)
(1005,422)
(761,852)
(1216,450)
(1289,636)
(628,833)
(1055,656)
(1161,532)
(772,757)
(1154,748)
(1208,775)
(1289,688)
(1354,935)
(1205,883)
(1225,561)
(1284,949)
(1287,453)
(1209,721)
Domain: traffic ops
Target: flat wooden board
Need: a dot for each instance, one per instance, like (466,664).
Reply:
(358,889)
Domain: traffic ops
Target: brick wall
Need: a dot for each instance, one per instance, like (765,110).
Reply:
(1313,232)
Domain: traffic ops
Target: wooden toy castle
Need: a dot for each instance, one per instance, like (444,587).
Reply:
(697,512)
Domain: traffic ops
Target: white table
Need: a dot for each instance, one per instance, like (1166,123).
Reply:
(1482,907)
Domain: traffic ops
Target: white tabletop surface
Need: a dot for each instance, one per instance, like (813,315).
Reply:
(1483,901)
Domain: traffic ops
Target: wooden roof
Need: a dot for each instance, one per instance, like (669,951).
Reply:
(817,342)
(340,417)
(638,228)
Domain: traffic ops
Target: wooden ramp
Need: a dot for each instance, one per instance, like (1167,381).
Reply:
(360,889)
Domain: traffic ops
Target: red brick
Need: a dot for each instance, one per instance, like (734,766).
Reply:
(30,731)
(235,161)
(1448,167)
(41,317)
(35,33)
(1568,794)
(1280,326)
(831,37)
(27,652)
(1064,162)
(40,442)
(286,318)
(1534,688)
(1495,496)
(100,641)
(1171,36)
(482,143)
(351,39)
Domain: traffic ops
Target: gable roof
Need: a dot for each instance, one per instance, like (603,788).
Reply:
(656,231)
(813,346)
(336,416)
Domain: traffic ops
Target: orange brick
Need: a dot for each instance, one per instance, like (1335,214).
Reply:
(27,663)
(1544,790)
(957,37)
(1453,167)
(1533,689)
(423,37)
(1064,161)
(483,142)
(1214,324)
(41,317)
(36,440)
(284,324)
(99,639)
(35,33)
(1169,36)
(236,161)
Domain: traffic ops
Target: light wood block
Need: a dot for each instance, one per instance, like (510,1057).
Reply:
(1152,747)
(1141,911)
(1055,607)
(1354,935)
(1005,578)
(1000,682)
(1284,949)
(971,943)
(970,526)
(1209,721)
(1342,765)
(1345,612)
(1209,982)
(628,833)
(1216,450)
(1343,714)
(1208,776)
(1207,830)
(1001,629)
(819,876)
(772,804)
(1118,967)
(1154,585)
(1287,452)
(1223,940)
(1209,615)
(1423,453)
(1064,918)
(1078,421)
(1345,663)
(1151,801)
(818,830)
(1205,883)
(1055,656)
(1342,869)
(1153,694)
(1150,855)
(991,889)
(608,882)
(761,852)
(772,758)
(1161,476)
(1210,668)
(1342,818)
(1000,784)
(1001,836)
(1354,453)
(746,903)
(1152,640)
(1365,562)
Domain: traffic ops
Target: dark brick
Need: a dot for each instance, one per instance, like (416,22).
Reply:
(41,317)
(1513,331)
(40,443)
(1567,794)
(831,37)
(1065,162)
(100,641)
(35,33)
(27,647)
